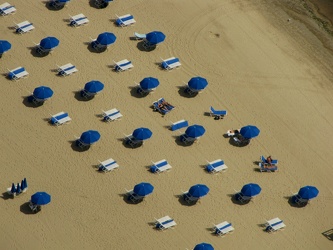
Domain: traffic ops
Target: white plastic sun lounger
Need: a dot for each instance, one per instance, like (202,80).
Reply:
(123,65)
(223,228)
(125,20)
(108,165)
(60,118)
(17,73)
(165,223)
(24,27)
(78,20)
(170,63)
(274,225)
(112,115)
(139,36)
(67,69)
(160,166)
(6,9)
(216,166)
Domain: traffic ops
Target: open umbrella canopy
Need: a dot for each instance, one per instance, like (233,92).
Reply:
(41,198)
(155,37)
(106,38)
(4,46)
(195,131)
(251,189)
(197,83)
(49,42)
(89,137)
(25,183)
(143,189)
(198,190)
(63,1)
(249,131)
(149,83)
(94,87)
(203,246)
(43,93)
(142,133)
(308,192)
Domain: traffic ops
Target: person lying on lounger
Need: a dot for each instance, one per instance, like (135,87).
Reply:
(164,105)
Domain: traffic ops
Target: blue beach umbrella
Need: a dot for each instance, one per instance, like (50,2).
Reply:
(22,185)
(41,198)
(25,183)
(63,1)
(197,83)
(308,192)
(94,87)
(251,189)
(89,137)
(143,189)
(13,189)
(106,38)
(49,42)
(142,133)
(4,46)
(155,37)
(42,92)
(195,131)
(249,131)
(149,83)
(198,190)
(203,246)
(18,188)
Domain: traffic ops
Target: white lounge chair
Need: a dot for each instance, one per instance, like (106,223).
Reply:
(6,9)
(170,63)
(78,20)
(60,118)
(160,166)
(165,223)
(17,73)
(112,115)
(24,27)
(67,69)
(123,65)
(223,228)
(178,125)
(108,165)
(139,36)
(274,225)
(216,166)
(125,20)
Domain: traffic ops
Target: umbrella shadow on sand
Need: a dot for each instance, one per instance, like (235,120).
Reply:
(236,201)
(29,104)
(185,203)
(183,93)
(24,208)
(76,148)
(80,98)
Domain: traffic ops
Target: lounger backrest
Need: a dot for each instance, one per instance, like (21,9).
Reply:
(217,164)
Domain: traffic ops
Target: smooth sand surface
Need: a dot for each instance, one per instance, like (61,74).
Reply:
(261,68)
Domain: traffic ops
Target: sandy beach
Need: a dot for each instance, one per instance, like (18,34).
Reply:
(268,63)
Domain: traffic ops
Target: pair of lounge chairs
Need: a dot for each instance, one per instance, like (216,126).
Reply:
(133,197)
(164,223)
(67,69)
(274,225)
(78,20)
(223,228)
(111,115)
(216,166)
(60,118)
(160,166)
(108,165)
(170,63)
(7,9)
(162,106)
(17,73)
(217,114)
(24,27)
(122,65)
(125,20)
(265,166)
(132,141)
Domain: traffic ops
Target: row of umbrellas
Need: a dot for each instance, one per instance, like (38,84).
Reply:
(105,38)
(19,188)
